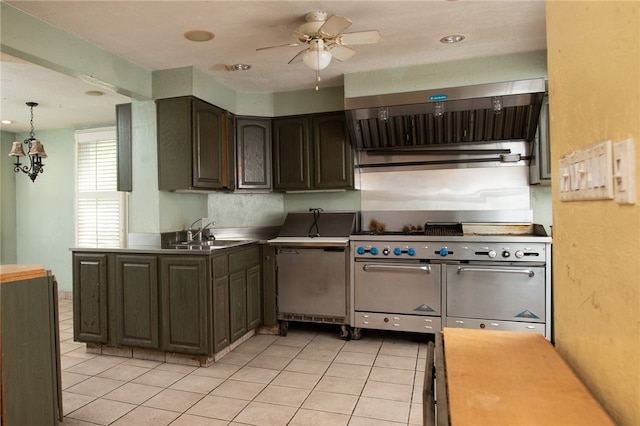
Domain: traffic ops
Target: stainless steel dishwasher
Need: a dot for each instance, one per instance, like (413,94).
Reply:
(312,261)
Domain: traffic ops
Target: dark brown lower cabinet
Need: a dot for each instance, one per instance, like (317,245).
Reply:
(238,304)
(220,302)
(245,291)
(254,297)
(194,304)
(185,295)
(137,301)
(90,297)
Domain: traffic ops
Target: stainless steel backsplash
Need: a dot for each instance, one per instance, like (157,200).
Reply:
(499,188)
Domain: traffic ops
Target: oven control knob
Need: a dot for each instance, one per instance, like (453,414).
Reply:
(411,252)
(360,250)
(385,251)
(519,254)
(506,254)
(397,251)
(374,251)
(491,253)
(444,251)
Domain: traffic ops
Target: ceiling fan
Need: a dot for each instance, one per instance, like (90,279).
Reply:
(325,40)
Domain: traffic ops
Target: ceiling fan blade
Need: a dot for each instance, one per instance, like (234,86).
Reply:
(360,37)
(334,26)
(301,36)
(298,57)
(341,53)
(280,45)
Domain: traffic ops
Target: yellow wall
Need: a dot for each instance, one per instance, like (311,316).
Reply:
(594,92)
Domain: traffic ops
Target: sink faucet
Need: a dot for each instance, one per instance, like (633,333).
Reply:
(198,235)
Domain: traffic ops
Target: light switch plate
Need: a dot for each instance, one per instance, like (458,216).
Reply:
(586,174)
(624,172)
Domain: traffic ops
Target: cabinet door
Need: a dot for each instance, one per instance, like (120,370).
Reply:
(220,313)
(254,297)
(124,129)
(238,304)
(137,301)
(291,155)
(253,146)
(220,294)
(175,140)
(90,298)
(185,296)
(332,152)
(210,165)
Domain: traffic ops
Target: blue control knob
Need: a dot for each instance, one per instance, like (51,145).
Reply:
(444,251)
(411,252)
(360,250)
(397,251)
(374,251)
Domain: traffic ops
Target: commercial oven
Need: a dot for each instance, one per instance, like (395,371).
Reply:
(424,278)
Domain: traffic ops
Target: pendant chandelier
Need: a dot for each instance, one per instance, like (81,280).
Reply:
(36,152)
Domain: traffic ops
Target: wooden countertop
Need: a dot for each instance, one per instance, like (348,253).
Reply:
(12,272)
(513,378)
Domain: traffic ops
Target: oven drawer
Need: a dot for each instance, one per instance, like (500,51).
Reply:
(511,293)
(482,324)
(401,288)
(411,323)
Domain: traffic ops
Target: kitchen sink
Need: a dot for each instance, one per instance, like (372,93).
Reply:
(209,244)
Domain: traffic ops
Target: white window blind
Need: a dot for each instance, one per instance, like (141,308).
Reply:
(100,208)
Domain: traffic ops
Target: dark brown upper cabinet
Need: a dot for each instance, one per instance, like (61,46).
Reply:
(194,152)
(312,153)
(124,132)
(253,153)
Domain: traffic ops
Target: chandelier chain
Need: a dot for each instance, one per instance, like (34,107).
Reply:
(32,133)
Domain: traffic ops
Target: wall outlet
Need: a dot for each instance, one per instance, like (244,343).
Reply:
(624,172)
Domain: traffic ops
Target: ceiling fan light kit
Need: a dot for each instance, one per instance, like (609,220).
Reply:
(316,57)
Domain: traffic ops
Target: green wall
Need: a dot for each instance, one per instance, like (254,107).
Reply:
(44,209)
(8,252)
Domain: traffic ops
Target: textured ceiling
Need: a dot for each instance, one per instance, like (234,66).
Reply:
(150,34)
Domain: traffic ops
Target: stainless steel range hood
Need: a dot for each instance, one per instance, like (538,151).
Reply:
(445,118)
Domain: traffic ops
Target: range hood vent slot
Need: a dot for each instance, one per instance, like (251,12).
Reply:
(467,116)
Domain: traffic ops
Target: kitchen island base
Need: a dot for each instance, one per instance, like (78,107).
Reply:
(168,357)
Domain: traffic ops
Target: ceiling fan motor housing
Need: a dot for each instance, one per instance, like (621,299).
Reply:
(314,20)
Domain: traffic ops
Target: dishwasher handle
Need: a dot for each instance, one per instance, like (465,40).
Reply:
(528,272)
(387,267)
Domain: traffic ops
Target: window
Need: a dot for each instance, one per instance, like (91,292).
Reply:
(100,208)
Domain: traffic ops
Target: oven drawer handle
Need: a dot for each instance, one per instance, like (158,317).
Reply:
(528,272)
(371,267)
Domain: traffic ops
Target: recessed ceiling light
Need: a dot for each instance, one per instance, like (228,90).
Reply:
(6,122)
(453,38)
(240,67)
(94,93)
(199,35)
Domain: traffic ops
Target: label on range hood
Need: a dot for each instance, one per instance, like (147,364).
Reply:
(440,97)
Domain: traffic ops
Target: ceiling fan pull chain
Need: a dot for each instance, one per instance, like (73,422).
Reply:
(317,78)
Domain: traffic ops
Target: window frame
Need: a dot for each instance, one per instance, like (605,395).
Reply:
(94,136)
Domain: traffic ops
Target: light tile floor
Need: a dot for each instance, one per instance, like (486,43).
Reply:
(309,377)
